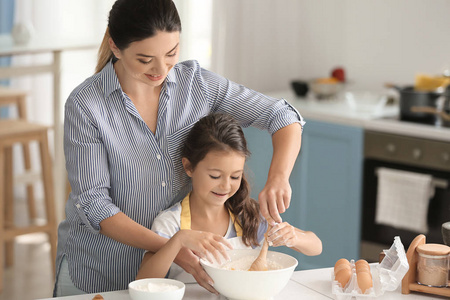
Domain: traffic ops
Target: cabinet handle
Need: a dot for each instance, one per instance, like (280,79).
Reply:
(390,148)
(417,153)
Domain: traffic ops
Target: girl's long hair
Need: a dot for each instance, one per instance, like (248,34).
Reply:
(135,20)
(220,132)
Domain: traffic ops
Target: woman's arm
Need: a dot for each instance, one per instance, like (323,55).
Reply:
(156,265)
(276,194)
(305,242)
(124,230)
(277,116)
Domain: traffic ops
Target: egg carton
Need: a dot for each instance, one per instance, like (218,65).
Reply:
(386,276)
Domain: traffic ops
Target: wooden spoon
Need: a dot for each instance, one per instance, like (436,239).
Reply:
(260,263)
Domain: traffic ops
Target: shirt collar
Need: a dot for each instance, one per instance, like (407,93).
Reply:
(110,80)
(171,78)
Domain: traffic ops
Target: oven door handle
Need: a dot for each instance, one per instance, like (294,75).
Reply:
(436,182)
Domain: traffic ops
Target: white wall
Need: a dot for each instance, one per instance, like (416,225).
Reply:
(269,43)
(59,19)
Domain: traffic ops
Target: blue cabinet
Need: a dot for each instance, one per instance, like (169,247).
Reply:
(326,187)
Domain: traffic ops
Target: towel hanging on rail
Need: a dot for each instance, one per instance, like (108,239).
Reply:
(403,198)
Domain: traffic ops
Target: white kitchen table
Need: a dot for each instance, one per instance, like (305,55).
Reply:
(56,47)
(195,292)
(319,280)
(309,284)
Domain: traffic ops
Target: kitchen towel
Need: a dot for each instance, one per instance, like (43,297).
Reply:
(403,198)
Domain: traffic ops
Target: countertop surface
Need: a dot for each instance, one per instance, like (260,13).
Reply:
(339,112)
(309,284)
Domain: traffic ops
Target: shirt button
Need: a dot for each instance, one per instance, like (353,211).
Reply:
(77,205)
(163,184)
(158,156)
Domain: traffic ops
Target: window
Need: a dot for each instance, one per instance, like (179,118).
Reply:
(196,36)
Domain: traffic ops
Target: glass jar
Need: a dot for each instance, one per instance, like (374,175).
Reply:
(433,265)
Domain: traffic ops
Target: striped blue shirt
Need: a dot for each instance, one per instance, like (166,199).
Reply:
(117,164)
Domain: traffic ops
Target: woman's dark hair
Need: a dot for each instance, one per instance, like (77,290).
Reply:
(220,132)
(135,20)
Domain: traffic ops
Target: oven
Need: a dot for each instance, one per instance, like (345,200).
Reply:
(385,151)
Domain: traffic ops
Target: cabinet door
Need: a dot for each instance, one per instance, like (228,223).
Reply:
(326,188)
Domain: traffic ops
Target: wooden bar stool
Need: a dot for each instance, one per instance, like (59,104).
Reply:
(22,132)
(17,98)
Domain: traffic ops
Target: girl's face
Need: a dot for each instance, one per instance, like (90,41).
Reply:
(217,177)
(150,60)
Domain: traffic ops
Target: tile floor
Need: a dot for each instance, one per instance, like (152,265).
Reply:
(31,276)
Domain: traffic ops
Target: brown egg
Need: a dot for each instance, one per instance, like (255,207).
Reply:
(364,280)
(341,261)
(362,268)
(361,262)
(343,276)
(341,267)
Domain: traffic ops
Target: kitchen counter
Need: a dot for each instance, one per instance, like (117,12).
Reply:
(339,112)
(309,284)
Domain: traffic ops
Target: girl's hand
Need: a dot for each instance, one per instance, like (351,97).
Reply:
(305,242)
(275,198)
(205,245)
(283,234)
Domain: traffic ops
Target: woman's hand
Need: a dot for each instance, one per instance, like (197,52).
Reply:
(275,198)
(200,244)
(191,264)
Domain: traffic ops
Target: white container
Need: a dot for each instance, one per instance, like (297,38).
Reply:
(387,276)
(22,33)
(366,102)
(156,289)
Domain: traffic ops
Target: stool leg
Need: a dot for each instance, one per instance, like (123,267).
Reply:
(47,179)
(2,214)
(30,190)
(22,113)
(9,204)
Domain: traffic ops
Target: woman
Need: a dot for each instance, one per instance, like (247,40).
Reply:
(123,130)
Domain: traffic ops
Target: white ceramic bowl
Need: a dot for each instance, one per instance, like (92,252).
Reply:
(243,285)
(156,289)
(366,102)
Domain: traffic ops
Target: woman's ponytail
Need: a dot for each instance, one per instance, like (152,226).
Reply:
(104,52)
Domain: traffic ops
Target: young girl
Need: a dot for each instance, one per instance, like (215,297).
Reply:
(218,205)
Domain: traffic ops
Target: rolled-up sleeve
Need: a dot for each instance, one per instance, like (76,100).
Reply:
(249,107)
(87,166)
